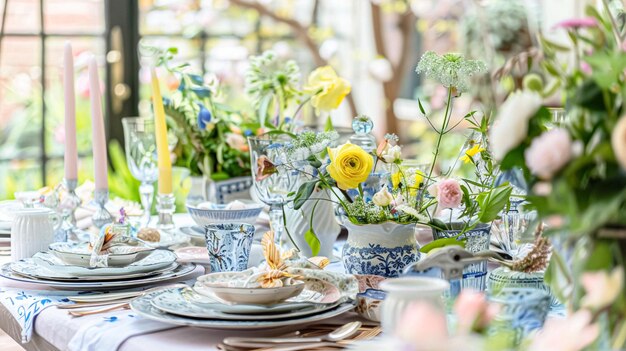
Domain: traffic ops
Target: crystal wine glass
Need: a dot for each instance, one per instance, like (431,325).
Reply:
(142,158)
(275,189)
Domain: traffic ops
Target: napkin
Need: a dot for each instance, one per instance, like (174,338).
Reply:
(25,305)
(112,239)
(108,332)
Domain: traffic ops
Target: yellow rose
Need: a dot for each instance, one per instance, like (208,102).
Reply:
(349,165)
(327,88)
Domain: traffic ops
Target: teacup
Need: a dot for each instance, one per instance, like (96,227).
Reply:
(402,292)
(522,310)
(229,246)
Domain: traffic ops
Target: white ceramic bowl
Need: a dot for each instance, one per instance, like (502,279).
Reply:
(79,254)
(216,213)
(256,296)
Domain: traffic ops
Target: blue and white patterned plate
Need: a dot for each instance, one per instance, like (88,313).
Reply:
(178,272)
(143,306)
(185,302)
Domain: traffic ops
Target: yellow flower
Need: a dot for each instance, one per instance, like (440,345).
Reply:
(395,179)
(327,88)
(471,152)
(419,179)
(349,165)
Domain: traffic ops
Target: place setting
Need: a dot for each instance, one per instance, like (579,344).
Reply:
(233,296)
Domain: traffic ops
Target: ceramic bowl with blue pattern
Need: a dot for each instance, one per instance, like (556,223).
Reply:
(522,310)
(209,213)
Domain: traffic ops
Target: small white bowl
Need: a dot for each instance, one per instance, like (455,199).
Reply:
(216,213)
(79,254)
(255,296)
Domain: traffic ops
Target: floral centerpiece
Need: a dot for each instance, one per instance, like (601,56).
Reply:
(576,170)
(381,239)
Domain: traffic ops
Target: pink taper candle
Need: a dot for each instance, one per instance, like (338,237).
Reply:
(97,129)
(71,155)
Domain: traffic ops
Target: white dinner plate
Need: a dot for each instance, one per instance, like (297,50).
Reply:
(44,264)
(143,306)
(79,254)
(179,272)
(185,302)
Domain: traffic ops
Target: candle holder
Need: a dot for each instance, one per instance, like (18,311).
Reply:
(165,209)
(101,217)
(70,203)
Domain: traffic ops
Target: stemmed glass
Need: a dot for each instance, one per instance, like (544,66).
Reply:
(275,189)
(142,158)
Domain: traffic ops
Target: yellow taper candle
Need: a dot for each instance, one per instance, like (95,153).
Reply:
(160,128)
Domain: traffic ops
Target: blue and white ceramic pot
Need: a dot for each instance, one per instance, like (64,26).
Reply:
(477,239)
(522,310)
(220,192)
(379,249)
(503,278)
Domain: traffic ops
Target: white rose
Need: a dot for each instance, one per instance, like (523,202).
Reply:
(382,198)
(511,126)
(392,154)
(618,141)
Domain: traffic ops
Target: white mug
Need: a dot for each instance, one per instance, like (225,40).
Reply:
(32,231)
(401,292)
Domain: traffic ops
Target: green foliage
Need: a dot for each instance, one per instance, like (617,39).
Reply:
(121,181)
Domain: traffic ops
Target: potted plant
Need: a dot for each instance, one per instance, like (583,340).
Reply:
(211,136)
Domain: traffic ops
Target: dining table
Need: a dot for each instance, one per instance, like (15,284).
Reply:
(56,329)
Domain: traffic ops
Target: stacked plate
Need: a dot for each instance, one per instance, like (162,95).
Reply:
(184,306)
(6,217)
(47,268)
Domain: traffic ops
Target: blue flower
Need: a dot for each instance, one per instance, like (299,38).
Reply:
(248,132)
(204,117)
(166,101)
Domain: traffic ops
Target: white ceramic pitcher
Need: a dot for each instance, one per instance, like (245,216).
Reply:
(32,231)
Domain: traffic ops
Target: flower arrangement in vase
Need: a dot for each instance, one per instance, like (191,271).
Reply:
(211,135)
(382,239)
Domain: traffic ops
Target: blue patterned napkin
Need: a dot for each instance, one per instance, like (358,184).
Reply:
(25,305)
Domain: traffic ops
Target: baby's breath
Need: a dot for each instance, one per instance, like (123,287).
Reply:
(310,143)
(451,70)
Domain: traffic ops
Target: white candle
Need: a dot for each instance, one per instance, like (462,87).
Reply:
(71,153)
(97,129)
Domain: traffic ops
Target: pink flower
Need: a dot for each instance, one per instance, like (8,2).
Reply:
(585,68)
(237,141)
(422,322)
(473,311)
(573,333)
(602,288)
(549,152)
(448,193)
(575,23)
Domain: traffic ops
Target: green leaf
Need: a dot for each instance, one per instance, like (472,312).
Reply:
(419,103)
(559,278)
(492,202)
(313,241)
(601,257)
(304,193)
(439,243)
(314,161)
(329,125)
(438,224)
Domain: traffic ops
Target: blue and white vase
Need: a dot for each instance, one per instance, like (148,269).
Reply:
(477,239)
(379,249)
(522,311)
(503,278)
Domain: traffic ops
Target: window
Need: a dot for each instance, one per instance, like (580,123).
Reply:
(32,36)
